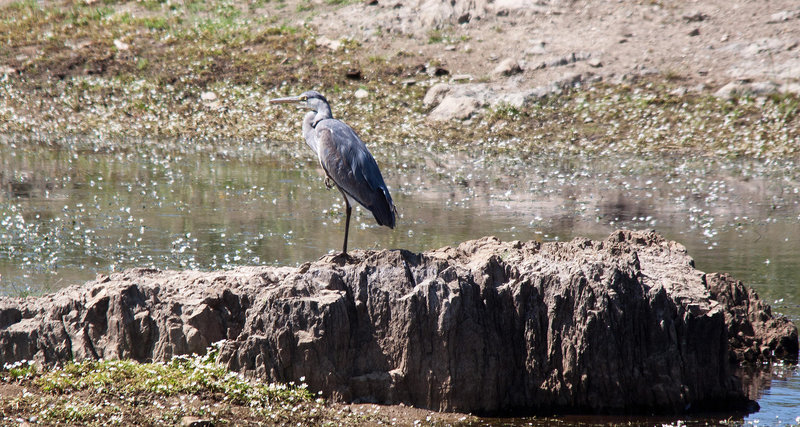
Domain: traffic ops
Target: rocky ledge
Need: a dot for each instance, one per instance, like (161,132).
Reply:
(626,324)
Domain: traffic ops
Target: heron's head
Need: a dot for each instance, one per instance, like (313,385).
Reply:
(311,100)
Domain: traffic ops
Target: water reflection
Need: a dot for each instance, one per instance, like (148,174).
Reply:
(64,216)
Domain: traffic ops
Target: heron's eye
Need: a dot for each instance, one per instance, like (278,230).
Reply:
(304,98)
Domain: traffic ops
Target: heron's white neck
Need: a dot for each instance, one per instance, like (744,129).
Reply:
(323,111)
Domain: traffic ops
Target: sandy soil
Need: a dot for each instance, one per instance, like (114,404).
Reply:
(709,43)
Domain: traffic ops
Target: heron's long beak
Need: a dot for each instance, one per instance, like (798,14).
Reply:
(287,100)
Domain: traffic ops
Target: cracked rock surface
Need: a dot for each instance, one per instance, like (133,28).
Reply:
(623,324)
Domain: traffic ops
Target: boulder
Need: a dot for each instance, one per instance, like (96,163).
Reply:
(737,89)
(435,94)
(754,334)
(454,107)
(507,67)
(626,324)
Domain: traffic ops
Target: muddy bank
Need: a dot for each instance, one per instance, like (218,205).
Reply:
(624,324)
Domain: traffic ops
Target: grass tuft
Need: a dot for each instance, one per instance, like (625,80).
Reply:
(98,392)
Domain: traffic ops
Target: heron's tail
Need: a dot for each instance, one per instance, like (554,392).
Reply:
(383,210)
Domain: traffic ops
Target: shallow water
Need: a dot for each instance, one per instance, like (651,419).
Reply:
(64,216)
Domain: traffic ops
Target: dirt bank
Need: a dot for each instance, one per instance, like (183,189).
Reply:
(716,78)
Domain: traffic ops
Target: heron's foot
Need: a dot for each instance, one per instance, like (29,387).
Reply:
(343,258)
(328,182)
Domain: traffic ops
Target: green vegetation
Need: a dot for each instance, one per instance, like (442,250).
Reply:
(304,6)
(435,36)
(126,392)
(18,371)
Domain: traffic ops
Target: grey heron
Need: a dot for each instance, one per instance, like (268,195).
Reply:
(345,159)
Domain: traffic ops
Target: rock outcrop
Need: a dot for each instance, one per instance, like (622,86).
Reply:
(754,334)
(625,324)
(462,101)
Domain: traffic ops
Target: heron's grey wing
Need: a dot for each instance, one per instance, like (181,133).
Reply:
(351,166)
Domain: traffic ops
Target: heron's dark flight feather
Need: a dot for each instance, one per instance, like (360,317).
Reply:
(350,165)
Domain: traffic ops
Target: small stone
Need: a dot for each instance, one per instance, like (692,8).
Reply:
(570,80)
(695,17)
(455,107)
(120,45)
(189,421)
(763,46)
(208,96)
(730,90)
(461,78)
(78,45)
(361,93)
(522,99)
(763,88)
(435,94)
(408,82)
(450,47)
(783,16)
(694,32)
(680,91)
(536,47)
(791,88)
(507,67)
(328,43)
(568,59)
(595,63)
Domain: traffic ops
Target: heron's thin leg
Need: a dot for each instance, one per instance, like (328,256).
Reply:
(348,209)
